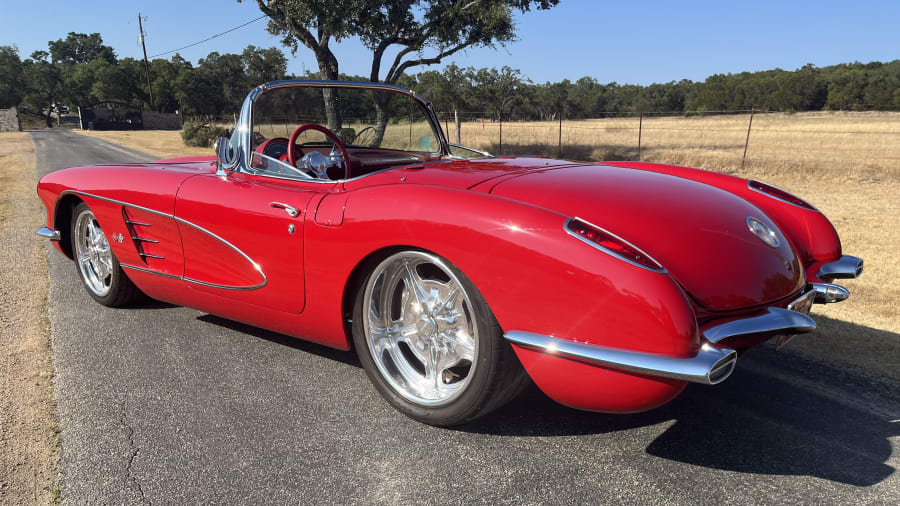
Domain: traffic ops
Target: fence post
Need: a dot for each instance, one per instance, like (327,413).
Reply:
(640,132)
(458,127)
(559,148)
(500,150)
(747,142)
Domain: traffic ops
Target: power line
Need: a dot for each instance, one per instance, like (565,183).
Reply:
(209,38)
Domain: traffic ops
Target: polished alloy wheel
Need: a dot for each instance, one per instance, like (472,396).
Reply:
(92,253)
(420,328)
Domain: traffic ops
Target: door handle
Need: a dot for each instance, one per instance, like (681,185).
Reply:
(291,210)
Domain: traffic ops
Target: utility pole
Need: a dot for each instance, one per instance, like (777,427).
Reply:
(146,63)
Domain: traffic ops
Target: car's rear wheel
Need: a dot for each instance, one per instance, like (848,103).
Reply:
(97,266)
(429,342)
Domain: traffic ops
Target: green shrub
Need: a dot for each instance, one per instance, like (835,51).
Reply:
(201,134)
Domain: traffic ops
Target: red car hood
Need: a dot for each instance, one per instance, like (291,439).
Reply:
(697,232)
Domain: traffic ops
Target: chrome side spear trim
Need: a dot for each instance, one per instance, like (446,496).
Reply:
(256,267)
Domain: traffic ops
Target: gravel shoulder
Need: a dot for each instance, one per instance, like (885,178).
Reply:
(29,443)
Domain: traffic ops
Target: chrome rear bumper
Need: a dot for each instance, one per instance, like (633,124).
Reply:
(712,364)
(48,233)
(709,366)
(846,267)
(775,321)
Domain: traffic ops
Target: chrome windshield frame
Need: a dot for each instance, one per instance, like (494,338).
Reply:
(244,126)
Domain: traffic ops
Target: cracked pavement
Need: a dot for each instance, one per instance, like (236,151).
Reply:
(167,405)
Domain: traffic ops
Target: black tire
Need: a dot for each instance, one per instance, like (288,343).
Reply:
(498,375)
(118,290)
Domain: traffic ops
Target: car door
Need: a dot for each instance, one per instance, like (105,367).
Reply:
(243,237)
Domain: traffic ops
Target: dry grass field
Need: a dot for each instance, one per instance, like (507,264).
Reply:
(161,143)
(846,164)
(867,143)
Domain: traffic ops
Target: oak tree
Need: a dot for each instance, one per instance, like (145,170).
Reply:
(423,31)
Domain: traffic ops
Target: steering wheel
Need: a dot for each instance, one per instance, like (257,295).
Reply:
(293,155)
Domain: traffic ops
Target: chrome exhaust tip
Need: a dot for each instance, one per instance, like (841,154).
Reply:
(827,293)
(722,369)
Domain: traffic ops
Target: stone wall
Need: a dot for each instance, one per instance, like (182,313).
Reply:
(9,120)
(161,121)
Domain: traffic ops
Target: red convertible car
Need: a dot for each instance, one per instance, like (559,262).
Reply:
(339,213)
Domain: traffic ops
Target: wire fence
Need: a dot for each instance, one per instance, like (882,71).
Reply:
(864,142)
(722,140)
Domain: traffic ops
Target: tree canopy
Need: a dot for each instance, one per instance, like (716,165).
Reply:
(426,32)
(439,27)
(12,82)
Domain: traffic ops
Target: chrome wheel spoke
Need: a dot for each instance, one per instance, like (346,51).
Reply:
(432,372)
(463,347)
(105,264)
(447,301)
(382,340)
(94,235)
(414,285)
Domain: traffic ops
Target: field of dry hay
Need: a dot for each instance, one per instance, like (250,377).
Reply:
(161,143)
(846,164)
(864,143)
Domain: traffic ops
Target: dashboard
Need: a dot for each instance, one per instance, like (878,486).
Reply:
(274,148)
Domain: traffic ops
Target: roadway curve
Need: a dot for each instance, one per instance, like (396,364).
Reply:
(166,404)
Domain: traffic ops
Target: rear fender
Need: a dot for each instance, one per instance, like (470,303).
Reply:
(812,236)
(534,276)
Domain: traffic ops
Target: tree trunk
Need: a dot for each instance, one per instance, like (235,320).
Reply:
(382,114)
(328,67)
(49,118)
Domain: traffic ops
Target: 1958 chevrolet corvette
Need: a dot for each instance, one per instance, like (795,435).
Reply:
(339,213)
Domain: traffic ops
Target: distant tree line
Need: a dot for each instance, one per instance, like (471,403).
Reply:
(80,70)
(852,86)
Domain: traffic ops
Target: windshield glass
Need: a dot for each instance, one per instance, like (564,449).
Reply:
(361,118)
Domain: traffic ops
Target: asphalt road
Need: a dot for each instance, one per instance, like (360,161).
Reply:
(169,405)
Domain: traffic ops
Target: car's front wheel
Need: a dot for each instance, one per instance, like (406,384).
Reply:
(429,342)
(97,266)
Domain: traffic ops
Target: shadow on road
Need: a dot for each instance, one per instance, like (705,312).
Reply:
(344,357)
(752,423)
(755,422)
(760,424)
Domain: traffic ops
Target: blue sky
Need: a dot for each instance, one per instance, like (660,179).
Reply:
(626,42)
